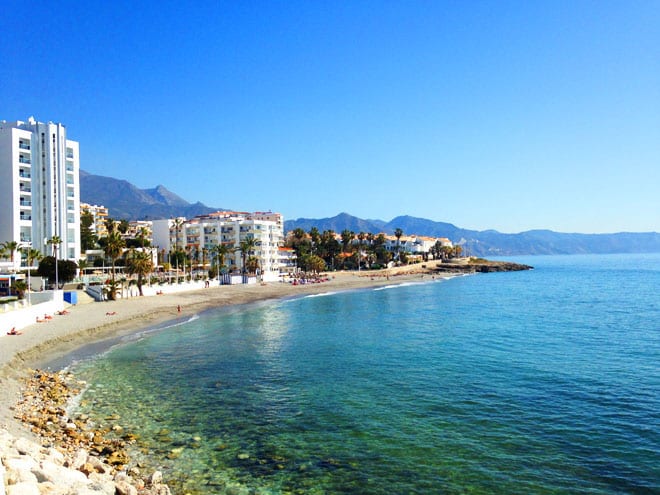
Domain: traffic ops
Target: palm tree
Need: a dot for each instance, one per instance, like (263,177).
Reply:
(114,247)
(143,234)
(220,251)
(245,246)
(55,241)
(31,255)
(10,247)
(398,233)
(140,264)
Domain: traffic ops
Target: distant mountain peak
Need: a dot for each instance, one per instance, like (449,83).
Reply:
(126,201)
(161,194)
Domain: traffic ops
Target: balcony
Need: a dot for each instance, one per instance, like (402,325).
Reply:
(25,160)
(25,189)
(69,166)
(24,175)
(25,202)
(69,153)
(26,217)
(24,145)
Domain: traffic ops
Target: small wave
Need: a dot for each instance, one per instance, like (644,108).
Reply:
(396,286)
(322,294)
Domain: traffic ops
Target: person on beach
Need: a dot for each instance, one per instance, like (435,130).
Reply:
(13,332)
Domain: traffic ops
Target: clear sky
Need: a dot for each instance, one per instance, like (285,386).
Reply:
(503,115)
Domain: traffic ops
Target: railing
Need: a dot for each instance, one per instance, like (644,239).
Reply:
(25,203)
(27,161)
(23,146)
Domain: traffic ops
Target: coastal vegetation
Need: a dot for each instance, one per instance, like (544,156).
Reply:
(316,251)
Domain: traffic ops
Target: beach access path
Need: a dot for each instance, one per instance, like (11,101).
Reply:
(94,322)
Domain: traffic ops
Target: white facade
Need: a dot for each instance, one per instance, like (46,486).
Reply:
(99,216)
(39,187)
(205,232)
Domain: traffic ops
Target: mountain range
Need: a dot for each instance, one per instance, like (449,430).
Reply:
(126,201)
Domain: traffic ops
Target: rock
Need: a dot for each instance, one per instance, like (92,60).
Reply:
(124,488)
(98,465)
(242,456)
(23,489)
(48,471)
(156,478)
(161,490)
(79,459)
(118,457)
(25,447)
(55,456)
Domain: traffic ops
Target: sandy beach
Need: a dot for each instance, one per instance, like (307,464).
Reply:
(93,322)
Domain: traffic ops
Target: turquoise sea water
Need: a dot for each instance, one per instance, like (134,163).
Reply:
(545,381)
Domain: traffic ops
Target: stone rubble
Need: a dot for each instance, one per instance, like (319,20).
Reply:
(75,457)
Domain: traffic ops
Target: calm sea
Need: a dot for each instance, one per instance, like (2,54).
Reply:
(545,381)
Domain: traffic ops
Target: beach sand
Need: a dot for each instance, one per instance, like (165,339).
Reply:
(93,322)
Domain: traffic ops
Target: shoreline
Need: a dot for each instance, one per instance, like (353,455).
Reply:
(96,322)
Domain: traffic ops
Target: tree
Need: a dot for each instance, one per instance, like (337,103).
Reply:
(315,237)
(114,247)
(252,264)
(143,237)
(123,226)
(31,255)
(19,287)
(55,242)
(140,264)
(299,242)
(347,237)
(66,269)
(88,237)
(246,246)
(10,247)
(398,233)
(219,252)
(329,247)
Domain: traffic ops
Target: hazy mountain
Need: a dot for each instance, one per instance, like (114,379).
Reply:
(491,242)
(126,201)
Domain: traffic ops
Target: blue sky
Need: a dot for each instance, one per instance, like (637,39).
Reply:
(503,115)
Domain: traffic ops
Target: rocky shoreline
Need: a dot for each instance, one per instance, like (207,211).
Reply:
(74,455)
(478,265)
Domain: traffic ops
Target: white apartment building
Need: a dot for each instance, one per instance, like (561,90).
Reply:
(414,244)
(99,216)
(39,187)
(230,228)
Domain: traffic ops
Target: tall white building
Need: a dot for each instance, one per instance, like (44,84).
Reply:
(39,187)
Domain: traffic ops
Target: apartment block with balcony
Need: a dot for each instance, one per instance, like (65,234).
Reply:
(230,228)
(99,216)
(39,186)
